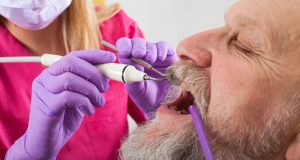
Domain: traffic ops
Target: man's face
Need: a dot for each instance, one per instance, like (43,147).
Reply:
(245,79)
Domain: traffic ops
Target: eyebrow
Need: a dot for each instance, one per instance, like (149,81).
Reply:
(243,21)
(246,23)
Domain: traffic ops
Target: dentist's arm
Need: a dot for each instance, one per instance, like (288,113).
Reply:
(61,95)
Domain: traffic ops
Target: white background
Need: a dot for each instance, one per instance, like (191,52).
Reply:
(174,20)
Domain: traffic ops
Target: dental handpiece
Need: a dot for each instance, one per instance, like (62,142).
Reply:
(114,71)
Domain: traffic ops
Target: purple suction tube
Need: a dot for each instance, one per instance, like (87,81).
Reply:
(198,124)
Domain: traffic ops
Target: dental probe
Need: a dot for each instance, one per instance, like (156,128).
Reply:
(138,61)
(198,124)
(114,71)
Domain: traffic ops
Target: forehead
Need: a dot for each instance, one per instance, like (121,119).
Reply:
(248,12)
(275,14)
(277,19)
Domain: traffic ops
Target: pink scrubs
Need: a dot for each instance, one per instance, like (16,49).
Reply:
(99,136)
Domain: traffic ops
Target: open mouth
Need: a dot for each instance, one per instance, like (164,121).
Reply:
(182,103)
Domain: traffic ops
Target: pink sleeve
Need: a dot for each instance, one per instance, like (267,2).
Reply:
(134,31)
(120,25)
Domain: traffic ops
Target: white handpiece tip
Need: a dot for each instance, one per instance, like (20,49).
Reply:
(48,59)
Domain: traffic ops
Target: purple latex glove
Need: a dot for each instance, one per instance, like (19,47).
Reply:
(61,95)
(147,95)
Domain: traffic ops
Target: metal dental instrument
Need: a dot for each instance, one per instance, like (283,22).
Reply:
(138,61)
(198,124)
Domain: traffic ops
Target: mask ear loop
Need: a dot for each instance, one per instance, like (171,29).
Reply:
(198,124)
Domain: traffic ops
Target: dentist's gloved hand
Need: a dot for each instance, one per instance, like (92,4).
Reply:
(61,95)
(147,95)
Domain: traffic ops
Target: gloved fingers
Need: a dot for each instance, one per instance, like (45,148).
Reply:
(71,117)
(169,60)
(71,82)
(43,96)
(162,50)
(157,54)
(151,54)
(136,89)
(55,104)
(131,48)
(80,68)
(77,101)
(171,56)
(139,48)
(130,62)
(124,46)
(160,54)
(94,56)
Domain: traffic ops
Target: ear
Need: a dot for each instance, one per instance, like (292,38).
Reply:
(293,151)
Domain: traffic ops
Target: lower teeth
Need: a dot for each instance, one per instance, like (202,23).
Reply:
(175,108)
(184,112)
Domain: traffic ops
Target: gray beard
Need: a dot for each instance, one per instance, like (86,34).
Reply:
(153,141)
(183,144)
(177,145)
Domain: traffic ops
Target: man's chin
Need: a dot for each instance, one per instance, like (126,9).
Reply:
(170,135)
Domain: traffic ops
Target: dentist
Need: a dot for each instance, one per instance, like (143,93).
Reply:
(58,98)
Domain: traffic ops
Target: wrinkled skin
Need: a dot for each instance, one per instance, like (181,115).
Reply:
(254,83)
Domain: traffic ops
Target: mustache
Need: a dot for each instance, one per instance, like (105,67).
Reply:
(191,78)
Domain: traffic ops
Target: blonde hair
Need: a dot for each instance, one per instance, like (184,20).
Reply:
(80,24)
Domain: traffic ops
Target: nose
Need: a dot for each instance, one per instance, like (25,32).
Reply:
(196,49)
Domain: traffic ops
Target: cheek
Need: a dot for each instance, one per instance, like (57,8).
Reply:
(235,87)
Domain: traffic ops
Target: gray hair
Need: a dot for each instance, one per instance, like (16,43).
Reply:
(228,140)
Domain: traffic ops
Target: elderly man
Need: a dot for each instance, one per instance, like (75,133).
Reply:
(245,79)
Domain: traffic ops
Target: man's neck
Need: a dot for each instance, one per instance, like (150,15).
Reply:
(47,40)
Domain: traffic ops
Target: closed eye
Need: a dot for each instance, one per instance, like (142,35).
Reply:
(241,47)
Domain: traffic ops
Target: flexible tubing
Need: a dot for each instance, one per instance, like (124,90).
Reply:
(20,59)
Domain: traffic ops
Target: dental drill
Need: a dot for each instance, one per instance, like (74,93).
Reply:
(119,72)
(114,71)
